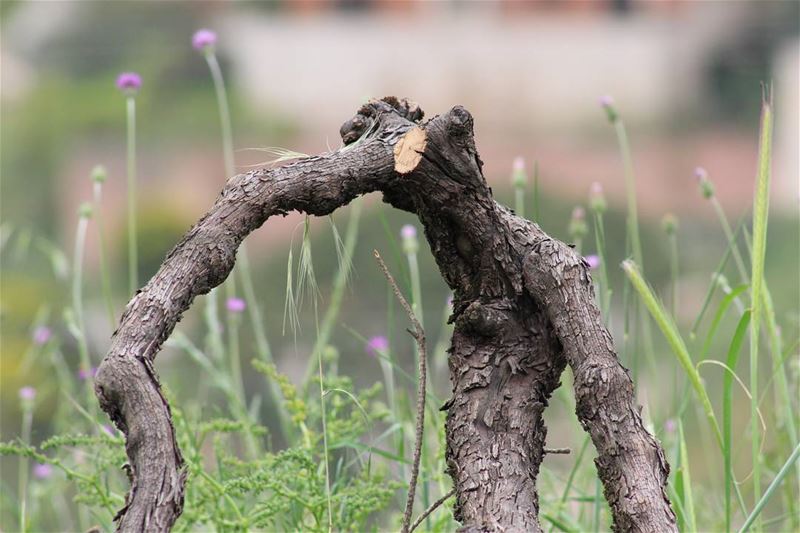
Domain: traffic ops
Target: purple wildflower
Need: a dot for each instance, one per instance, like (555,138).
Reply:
(670,425)
(450,300)
(408,232)
(203,39)
(41,335)
(519,178)
(235,305)
(27,394)
(607,103)
(377,345)
(109,430)
(409,235)
(129,82)
(42,471)
(706,187)
(593,261)
(700,173)
(84,374)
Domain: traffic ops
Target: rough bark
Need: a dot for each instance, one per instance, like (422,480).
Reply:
(523,309)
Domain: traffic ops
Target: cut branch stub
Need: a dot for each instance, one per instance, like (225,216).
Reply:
(522,310)
(409,149)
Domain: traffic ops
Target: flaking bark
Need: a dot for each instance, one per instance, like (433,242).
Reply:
(523,310)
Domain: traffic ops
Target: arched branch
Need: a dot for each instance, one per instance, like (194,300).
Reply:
(506,356)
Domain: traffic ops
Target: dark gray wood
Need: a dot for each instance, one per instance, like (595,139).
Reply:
(523,310)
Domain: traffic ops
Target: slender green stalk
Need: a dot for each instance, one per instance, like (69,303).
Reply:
(731,238)
(762,502)
(630,190)
(732,295)
(253,308)
(24,463)
(325,446)
(632,225)
(133,250)
(672,237)
(713,285)
(598,503)
(443,342)
(213,326)
(410,247)
(686,481)
(224,111)
(570,479)
(519,201)
(519,180)
(598,206)
(675,341)
(232,337)
(384,359)
(727,411)
(605,284)
(77,297)
(101,240)
(222,492)
(628,342)
(577,228)
(536,192)
(670,224)
(416,286)
(760,214)
(784,411)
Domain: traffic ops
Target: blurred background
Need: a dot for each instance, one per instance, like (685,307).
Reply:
(684,76)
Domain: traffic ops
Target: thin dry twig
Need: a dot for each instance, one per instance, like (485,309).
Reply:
(431,509)
(419,337)
(557,451)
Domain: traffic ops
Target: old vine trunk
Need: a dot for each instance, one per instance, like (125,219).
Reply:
(523,310)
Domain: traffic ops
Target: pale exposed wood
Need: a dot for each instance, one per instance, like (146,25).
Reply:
(409,149)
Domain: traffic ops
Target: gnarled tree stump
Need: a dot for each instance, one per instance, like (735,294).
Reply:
(523,310)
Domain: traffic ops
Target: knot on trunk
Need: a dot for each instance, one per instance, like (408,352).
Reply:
(358,126)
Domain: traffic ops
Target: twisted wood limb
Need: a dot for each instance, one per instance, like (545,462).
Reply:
(630,462)
(521,313)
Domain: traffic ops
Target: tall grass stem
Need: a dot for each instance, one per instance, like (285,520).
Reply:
(633,239)
(133,250)
(105,277)
(24,463)
(760,214)
(77,303)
